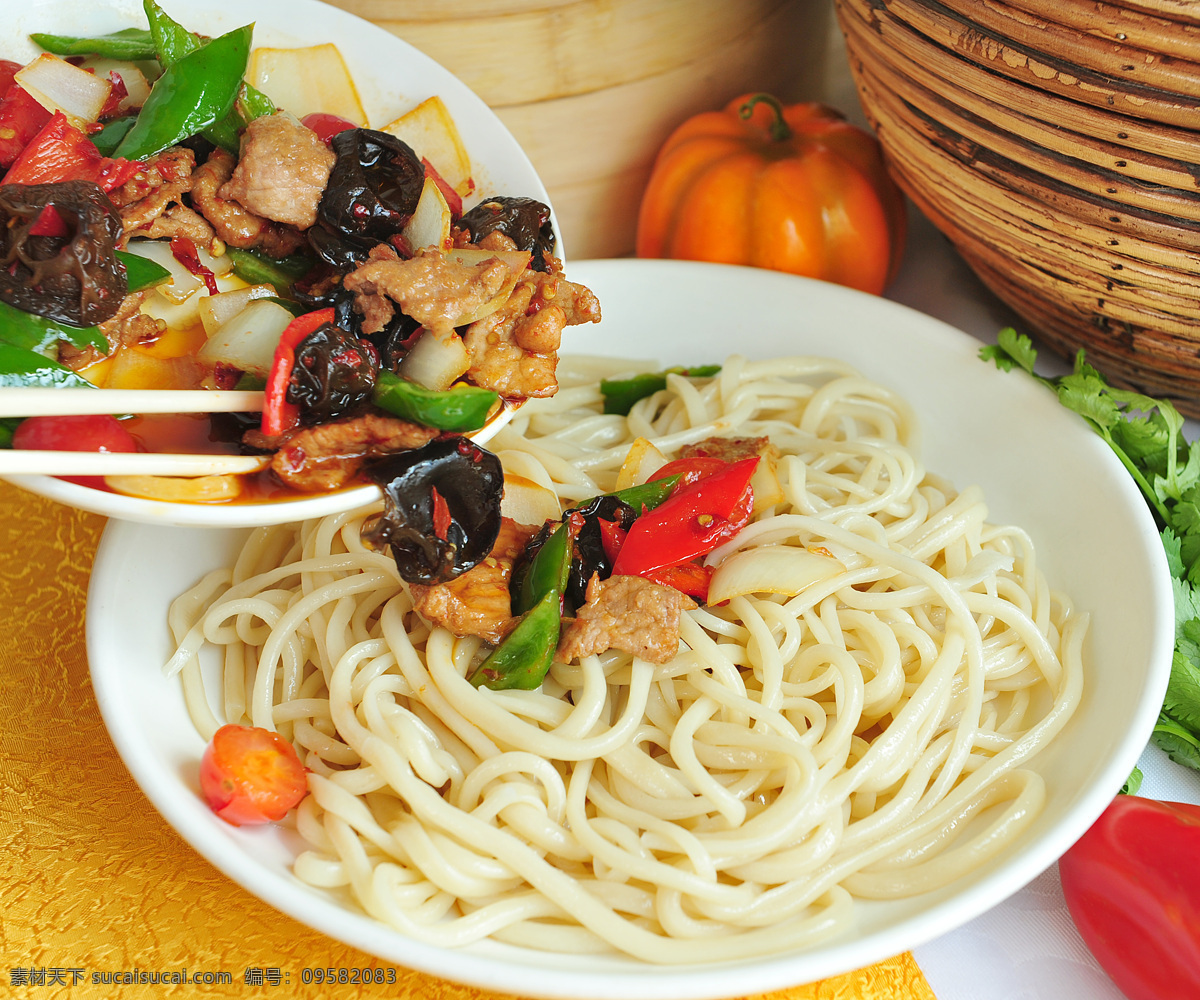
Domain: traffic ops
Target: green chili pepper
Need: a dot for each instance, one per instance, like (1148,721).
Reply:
(546,572)
(255,269)
(522,659)
(462,408)
(191,95)
(109,138)
(141,271)
(621,394)
(19,366)
(131,43)
(39,335)
(249,382)
(172,41)
(648,495)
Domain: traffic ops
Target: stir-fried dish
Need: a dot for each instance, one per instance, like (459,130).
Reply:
(166,225)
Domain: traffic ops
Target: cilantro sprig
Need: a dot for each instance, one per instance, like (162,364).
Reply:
(1146,434)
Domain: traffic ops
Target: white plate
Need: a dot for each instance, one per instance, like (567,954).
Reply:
(1039,466)
(391,77)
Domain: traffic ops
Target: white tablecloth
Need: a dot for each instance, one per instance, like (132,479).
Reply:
(1027,948)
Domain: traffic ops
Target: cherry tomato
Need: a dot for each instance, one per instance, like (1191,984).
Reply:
(250,775)
(1132,884)
(97,432)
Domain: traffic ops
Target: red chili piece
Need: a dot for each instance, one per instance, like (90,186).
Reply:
(441,515)
(280,416)
(21,118)
(184,251)
(60,152)
(691,523)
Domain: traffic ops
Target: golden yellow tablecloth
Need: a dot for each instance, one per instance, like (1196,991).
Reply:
(94,881)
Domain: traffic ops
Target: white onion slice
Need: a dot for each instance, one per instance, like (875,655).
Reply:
(57,85)
(248,341)
(527,502)
(183,283)
(644,459)
(770,569)
(434,362)
(217,310)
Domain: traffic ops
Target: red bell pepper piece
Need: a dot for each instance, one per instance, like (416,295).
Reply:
(689,578)
(60,152)
(1132,885)
(612,537)
(21,118)
(690,470)
(691,522)
(8,73)
(325,125)
(280,416)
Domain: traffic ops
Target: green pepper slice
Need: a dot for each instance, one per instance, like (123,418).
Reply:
(110,137)
(256,269)
(547,571)
(19,366)
(462,408)
(191,95)
(172,41)
(38,334)
(621,394)
(648,495)
(129,43)
(523,658)
(141,271)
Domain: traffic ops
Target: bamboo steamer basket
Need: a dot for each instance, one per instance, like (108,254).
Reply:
(1057,145)
(592,88)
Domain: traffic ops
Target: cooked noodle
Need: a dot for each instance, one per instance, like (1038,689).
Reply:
(865,737)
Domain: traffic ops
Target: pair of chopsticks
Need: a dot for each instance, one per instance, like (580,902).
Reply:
(36,401)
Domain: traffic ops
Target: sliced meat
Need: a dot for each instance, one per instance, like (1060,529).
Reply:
(626,613)
(479,602)
(730,449)
(179,220)
(435,291)
(233,223)
(128,326)
(513,351)
(281,172)
(162,182)
(328,456)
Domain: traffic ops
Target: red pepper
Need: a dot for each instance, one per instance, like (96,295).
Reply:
(280,416)
(691,470)
(689,578)
(441,515)
(184,251)
(21,118)
(60,152)
(691,522)
(118,93)
(8,72)
(1132,884)
(612,537)
(325,125)
(453,201)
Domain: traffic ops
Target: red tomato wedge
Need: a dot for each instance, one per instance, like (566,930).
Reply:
(1132,884)
(250,775)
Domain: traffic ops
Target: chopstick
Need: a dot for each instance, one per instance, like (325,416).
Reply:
(43,401)
(28,462)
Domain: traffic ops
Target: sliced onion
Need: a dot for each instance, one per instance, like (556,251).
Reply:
(183,283)
(434,362)
(770,569)
(430,222)
(59,86)
(137,87)
(431,131)
(217,310)
(307,80)
(643,460)
(527,502)
(248,341)
(765,483)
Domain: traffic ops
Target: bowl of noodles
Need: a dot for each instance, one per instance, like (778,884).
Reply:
(935,659)
(310,59)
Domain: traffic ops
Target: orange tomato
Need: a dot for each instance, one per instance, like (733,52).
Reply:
(250,775)
(795,189)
